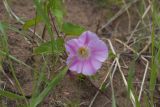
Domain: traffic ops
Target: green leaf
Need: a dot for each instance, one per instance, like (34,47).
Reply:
(46,48)
(154,62)
(31,22)
(3,38)
(49,88)
(39,79)
(130,78)
(111,55)
(57,9)
(137,102)
(2,27)
(146,100)
(103,89)
(72,29)
(42,12)
(59,17)
(10,95)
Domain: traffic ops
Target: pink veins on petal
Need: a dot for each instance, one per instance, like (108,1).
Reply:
(86,53)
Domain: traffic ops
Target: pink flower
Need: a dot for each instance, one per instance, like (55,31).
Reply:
(86,53)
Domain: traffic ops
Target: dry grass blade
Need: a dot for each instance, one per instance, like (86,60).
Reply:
(119,13)
(10,11)
(9,79)
(123,77)
(144,77)
(106,77)
(146,68)
(139,22)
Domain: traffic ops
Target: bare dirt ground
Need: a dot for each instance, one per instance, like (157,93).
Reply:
(89,14)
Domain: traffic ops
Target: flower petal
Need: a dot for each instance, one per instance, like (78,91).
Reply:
(100,56)
(96,64)
(99,50)
(80,66)
(71,46)
(73,63)
(88,36)
(88,68)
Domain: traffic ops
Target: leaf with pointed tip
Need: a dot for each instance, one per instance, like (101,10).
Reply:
(10,95)
(46,48)
(31,22)
(50,87)
(72,29)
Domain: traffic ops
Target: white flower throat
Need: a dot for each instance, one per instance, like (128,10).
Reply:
(83,52)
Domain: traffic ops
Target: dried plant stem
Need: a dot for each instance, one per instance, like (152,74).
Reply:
(146,68)
(146,46)
(139,22)
(123,77)
(106,77)
(119,13)
(19,87)
(144,77)
(53,24)
(129,16)
(119,41)
(10,80)
(11,13)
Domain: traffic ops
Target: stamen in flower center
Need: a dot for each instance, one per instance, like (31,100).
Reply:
(83,52)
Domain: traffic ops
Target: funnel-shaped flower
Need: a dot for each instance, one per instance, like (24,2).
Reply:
(86,53)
